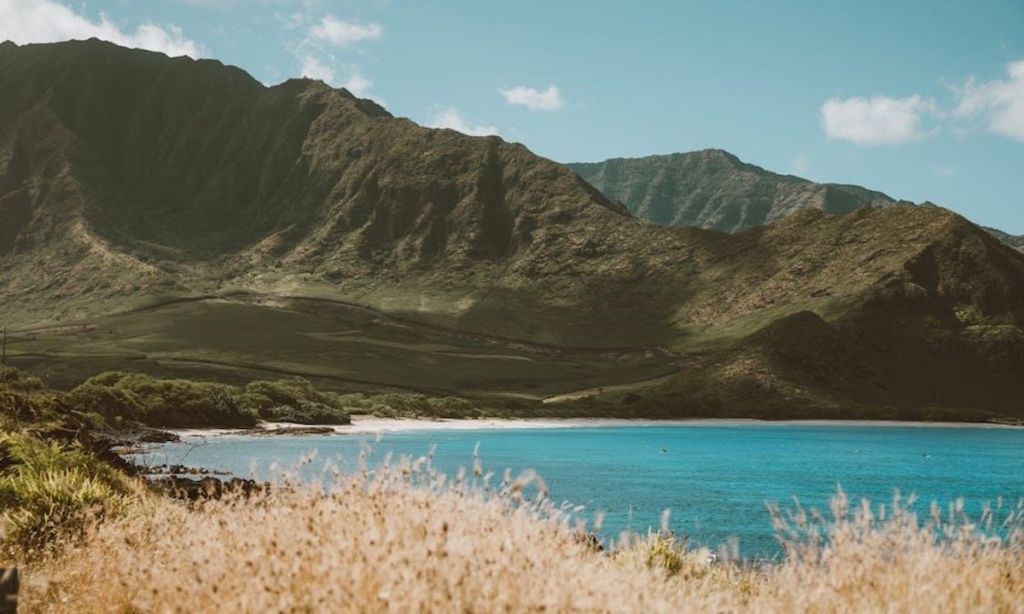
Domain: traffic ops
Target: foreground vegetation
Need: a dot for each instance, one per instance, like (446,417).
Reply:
(407,539)
(92,538)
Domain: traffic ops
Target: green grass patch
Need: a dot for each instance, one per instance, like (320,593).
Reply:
(50,491)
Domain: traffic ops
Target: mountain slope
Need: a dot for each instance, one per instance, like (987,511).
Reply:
(1014,241)
(174,214)
(715,189)
(182,176)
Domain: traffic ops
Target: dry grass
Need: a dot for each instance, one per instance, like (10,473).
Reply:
(407,539)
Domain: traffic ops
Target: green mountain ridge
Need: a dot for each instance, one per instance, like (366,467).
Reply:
(177,216)
(714,189)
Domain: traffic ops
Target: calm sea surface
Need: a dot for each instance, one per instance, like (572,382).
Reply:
(714,479)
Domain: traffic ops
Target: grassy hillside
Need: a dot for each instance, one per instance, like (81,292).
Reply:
(238,338)
(192,222)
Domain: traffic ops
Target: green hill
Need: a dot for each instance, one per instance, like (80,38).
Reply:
(177,215)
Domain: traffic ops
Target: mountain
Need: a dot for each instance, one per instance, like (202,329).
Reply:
(128,174)
(715,189)
(177,216)
(1014,241)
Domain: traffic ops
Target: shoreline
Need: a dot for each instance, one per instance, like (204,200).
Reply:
(364,424)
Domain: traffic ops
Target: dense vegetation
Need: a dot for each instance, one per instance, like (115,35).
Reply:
(162,403)
(119,400)
(51,491)
(57,473)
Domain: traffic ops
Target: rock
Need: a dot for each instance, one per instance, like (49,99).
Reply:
(149,435)
(206,488)
(589,541)
(297,430)
(182,470)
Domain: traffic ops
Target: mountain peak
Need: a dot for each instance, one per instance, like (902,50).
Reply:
(712,153)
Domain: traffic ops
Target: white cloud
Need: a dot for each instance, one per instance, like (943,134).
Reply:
(534,99)
(225,4)
(800,164)
(317,62)
(47,21)
(355,82)
(450,118)
(878,120)
(999,103)
(313,68)
(293,21)
(211,4)
(944,171)
(342,33)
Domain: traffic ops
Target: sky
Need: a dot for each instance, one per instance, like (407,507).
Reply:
(921,99)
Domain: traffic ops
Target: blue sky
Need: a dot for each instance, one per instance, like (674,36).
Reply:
(921,99)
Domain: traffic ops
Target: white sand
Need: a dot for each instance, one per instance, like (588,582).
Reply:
(362,424)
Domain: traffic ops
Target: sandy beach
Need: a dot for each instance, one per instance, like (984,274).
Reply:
(363,424)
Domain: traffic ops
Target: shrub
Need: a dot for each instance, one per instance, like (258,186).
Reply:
(118,396)
(399,405)
(307,412)
(108,378)
(353,402)
(18,406)
(664,553)
(161,402)
(394,405)
(288,392)
(254,401)
(43,506)
(22,397)
(453,407)
(13,379)
(50,492)
(112,403)
(294,400)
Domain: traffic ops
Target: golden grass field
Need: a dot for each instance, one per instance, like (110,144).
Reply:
(407,539)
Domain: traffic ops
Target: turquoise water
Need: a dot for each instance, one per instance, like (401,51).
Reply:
(714,479)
